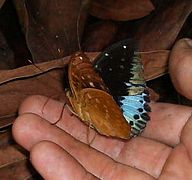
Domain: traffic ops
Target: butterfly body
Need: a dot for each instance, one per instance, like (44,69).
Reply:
(91,100)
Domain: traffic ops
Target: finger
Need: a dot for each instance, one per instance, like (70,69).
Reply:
(52,162)
(186,137)
(142,153)
(167,120)
(180,63)
(43,106)
(178,165)
(51,111)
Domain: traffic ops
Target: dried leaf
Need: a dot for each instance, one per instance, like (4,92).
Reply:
(17,84)
(6,54)
(14,163)
(22,14)
(99,35)
(50,33)
(155,63)
(1,3)
(121,10)
(5,139)
(11,154)
(160,31)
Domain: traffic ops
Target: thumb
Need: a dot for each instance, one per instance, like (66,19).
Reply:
(180,67)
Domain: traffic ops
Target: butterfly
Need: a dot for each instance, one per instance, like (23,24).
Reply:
(110,95)
(91,100)
(121,69)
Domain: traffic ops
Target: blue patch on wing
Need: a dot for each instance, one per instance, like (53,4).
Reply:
(135,110)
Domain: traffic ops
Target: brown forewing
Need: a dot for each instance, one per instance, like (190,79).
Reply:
(82,75)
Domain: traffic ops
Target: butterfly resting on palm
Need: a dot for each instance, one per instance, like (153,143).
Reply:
(110,95)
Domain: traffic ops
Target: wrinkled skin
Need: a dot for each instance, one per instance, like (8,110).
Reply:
(70,150)
(163,151)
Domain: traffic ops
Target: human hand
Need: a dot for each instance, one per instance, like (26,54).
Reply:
(60,151)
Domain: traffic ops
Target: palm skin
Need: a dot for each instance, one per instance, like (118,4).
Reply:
(60,151)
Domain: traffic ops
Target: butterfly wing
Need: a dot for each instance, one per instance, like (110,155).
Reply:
(121,69)
(82,75)
(102,112)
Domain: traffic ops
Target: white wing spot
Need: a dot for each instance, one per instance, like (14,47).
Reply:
(107,116)
(102,86)
(97,100)
(89,96)
(128,84)
(121,66)
(91,84)
(59,50)
(105,106)
(82,77)
(106,54)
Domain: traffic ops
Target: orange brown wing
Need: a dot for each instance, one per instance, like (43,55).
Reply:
(82,74)
(99,109)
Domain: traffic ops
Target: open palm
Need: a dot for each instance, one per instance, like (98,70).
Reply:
(63,151)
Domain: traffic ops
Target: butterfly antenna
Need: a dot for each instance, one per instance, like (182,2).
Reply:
(78,19)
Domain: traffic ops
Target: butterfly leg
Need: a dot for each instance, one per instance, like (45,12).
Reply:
(61,114)
(47,100)
(71,111)
(89,137)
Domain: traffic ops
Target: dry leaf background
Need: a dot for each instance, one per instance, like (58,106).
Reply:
(1,3)
(51,36)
